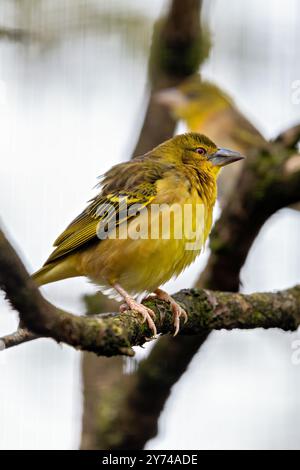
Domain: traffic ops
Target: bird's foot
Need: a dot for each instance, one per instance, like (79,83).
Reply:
(177,310)
(147,314)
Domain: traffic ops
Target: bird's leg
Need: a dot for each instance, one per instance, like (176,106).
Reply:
(177,310)
(147,314)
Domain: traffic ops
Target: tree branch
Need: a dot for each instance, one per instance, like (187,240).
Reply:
(135,402)
(112,334)
(22,335)
(290,137)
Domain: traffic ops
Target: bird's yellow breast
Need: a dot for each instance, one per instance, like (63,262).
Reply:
(159,243)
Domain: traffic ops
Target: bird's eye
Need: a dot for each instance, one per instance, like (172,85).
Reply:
(200,151)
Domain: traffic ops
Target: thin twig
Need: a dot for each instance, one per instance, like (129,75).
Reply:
(22,335)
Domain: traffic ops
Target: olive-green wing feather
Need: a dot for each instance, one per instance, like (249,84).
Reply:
(133,182)
(110,208)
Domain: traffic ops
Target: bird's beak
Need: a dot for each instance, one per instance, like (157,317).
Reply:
(223,157)
(170,97)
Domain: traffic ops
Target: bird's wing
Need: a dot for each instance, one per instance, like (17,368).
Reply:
(128,183)
(110,209)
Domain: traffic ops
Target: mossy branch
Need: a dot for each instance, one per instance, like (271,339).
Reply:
(113,334)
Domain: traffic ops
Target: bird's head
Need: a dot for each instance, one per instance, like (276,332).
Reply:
(196,150)
(193,99)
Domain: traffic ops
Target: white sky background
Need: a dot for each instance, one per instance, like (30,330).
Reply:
(66,115)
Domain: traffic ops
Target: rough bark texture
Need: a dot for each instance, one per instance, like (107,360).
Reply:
(22,335)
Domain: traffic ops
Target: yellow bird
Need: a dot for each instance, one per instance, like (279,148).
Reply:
(146,225)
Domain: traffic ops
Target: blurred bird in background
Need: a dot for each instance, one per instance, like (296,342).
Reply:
(178,173)
(205,108)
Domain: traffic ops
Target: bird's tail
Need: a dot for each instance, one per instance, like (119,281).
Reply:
(43,275)
(53,272)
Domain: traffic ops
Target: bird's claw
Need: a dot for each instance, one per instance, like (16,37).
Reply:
(147,314)
(177,310)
